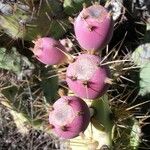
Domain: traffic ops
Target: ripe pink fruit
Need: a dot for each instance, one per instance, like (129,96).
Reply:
(70,116)
(49,51)
(86,78)
(93,27)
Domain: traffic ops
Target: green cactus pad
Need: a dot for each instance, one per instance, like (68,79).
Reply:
(13,61)
(10,61)
(127,135)
(19,116)
(47,19)
(145,80)
(141,55)
(135,135)
(20,119)
(17,110)
(101,118)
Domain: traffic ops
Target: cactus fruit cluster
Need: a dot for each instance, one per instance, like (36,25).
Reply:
(83,70)
(86,74)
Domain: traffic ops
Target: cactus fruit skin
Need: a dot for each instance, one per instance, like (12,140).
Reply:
(93,27)
(86,78)
(70,116)
(49,51)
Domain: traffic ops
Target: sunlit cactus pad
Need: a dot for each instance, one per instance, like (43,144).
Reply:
(145,79)
(141,55)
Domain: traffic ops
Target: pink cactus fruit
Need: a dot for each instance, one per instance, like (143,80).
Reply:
(69,117)
(86,77)
(49,51)
(93,27)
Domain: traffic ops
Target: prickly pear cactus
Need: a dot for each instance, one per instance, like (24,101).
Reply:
(91,115)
